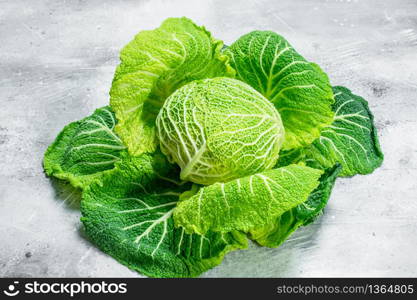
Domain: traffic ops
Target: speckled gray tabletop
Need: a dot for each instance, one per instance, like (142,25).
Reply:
(57,60)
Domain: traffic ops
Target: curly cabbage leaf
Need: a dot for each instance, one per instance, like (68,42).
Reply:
(128,215)
(154,65)
(299,89)
(84,149)
(218,130)
(350,140)
(246,203)
(276,233)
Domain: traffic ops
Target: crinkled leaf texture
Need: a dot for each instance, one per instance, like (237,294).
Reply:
(219,129)
(154,65)
(128,215)
(299,89)
(350,140)
(276,233)
(84,149)
(246,203)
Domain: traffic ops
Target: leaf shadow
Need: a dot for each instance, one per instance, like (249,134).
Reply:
(65,194)
(70,197)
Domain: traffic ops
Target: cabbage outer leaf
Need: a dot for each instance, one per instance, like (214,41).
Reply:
(350,140)
(299,89)
(246,203)
(219,129)
(276,233)
(128,215)
(155,64)
(84,149)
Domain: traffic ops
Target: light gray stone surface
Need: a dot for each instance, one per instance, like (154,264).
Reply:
(57,60)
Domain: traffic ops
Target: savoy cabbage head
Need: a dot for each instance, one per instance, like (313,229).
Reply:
(219,129)
(204,147)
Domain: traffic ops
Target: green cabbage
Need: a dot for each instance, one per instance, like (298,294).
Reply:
(186,164)
(219,129)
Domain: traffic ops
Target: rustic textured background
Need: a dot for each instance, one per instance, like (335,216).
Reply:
(57,60)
